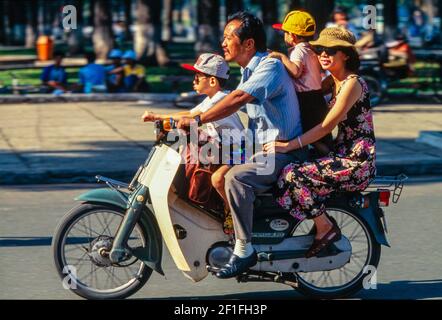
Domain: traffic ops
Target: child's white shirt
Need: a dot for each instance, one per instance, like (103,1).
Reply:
(214,128)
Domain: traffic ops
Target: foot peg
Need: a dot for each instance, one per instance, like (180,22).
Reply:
(213,270)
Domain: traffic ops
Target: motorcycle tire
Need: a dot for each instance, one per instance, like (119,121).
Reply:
(60,237)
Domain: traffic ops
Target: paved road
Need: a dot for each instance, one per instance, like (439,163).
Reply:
(71,142)
(410,269)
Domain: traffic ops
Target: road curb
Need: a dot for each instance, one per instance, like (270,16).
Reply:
(422,168)
(432,138)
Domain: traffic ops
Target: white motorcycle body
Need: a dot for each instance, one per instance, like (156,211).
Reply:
(203,232)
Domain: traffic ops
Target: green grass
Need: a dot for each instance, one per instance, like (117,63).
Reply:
(157,77)
(30,51)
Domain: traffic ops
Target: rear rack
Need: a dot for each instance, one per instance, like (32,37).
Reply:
(392,183)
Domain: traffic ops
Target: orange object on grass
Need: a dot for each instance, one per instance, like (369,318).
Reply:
(45,48)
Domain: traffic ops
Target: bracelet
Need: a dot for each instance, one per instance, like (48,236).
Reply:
(300,143)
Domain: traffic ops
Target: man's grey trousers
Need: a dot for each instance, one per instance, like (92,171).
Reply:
(244,182)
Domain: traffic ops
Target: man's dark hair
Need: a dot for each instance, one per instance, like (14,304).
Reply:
(251,28)
(90,57)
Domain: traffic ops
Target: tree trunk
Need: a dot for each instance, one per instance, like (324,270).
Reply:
(208,35)
(17,22)
(31,23)
(439,14)
(320,10)
(3,26)
(269,17)
(91,12)
(128,18)
(75,36)
(233,6)
(148,45)
(390,19)
(167,21)
(102,38)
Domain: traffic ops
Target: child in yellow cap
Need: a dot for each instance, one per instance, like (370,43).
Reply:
(303,65)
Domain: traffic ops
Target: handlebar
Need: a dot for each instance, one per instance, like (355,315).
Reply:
(166,125)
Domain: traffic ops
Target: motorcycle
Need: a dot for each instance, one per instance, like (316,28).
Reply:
(108,246)
(384,65)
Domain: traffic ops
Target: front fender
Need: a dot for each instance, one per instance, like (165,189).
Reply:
(105,195)
(153,255)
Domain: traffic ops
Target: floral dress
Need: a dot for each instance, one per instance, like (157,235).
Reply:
(304,187)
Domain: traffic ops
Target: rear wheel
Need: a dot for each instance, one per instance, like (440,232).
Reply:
(347,280)
(79,247)
(375,89)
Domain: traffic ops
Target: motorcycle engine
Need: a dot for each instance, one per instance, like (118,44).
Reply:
(219,254)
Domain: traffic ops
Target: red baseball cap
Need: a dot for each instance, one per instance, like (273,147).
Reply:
(277,26)
(211,64)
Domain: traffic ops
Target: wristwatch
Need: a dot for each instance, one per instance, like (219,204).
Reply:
(198,120)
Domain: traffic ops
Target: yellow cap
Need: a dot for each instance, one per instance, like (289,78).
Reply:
(298,22)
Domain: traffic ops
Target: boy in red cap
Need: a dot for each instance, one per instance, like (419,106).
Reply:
(303,65)
(211,73)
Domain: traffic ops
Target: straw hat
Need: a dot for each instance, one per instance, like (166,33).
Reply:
(335,37)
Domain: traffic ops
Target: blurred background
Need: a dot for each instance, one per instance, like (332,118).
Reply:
(401,55)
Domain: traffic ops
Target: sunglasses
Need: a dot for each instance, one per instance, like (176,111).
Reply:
(329,51)
(198,77)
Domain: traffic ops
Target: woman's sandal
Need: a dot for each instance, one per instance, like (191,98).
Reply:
(319,244)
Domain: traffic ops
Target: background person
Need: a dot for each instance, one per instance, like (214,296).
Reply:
(92,77)
(115,72)
(134,74)
(55,77)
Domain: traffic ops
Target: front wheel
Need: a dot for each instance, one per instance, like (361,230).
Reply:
(79,247)
(347,280)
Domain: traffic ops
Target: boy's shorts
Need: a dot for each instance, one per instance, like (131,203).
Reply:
(314,109)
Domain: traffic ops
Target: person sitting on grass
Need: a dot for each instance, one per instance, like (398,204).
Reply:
(92,77)
(115,75)
(134,74)
(54,77)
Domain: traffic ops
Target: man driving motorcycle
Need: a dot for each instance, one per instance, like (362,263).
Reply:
(267,92)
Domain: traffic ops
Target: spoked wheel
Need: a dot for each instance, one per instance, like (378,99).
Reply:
(348,279)
(376,90)
(80,246)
